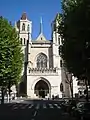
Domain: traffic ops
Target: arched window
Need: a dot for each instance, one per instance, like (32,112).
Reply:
(24,41)
(28,28)
(23,27)
(21,40)
(60,63)
(61,87)
(42,61)
(59,40)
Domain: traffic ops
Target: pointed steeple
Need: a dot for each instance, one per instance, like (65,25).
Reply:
(16,27)
(15,24)
(41,26)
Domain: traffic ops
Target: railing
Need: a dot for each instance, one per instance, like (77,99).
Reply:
(35,71)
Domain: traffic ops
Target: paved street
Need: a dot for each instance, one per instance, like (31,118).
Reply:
(33,110)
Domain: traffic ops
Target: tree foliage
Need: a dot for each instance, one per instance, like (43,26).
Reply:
(75,33)
(11,57)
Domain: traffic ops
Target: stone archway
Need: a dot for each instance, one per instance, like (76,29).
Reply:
(41,89)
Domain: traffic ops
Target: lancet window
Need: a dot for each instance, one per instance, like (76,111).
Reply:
(28,28)
(23,27)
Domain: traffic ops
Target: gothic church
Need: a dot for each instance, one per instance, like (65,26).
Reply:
(42,75)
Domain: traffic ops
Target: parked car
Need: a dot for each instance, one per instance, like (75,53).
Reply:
(71,104)
(81,111)
(67,105)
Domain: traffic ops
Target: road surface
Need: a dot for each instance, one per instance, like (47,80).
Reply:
(33,110)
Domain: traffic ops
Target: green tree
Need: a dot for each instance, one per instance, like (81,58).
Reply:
(11,57)
(75,32)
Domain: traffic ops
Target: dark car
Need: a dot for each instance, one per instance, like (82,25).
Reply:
(82,111)
(67,105)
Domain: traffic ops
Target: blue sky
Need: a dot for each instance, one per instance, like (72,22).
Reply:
(13,9)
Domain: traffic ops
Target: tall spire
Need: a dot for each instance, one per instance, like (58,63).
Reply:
(41,26)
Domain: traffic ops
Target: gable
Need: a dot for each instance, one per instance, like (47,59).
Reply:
(41,38)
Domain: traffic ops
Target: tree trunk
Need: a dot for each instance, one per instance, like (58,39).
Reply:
(71,88)
(2,92)
(86,83)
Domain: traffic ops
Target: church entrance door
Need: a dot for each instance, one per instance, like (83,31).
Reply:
(41,89)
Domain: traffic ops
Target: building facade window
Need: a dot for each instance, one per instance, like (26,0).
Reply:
(42,61)
(23,27)
(21,40)
(61,87)
(28,28)
(24,41)
(59,40)
(61,63)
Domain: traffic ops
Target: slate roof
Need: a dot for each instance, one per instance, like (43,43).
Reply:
(24,16)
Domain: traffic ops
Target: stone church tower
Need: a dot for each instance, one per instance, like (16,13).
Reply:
(42,74)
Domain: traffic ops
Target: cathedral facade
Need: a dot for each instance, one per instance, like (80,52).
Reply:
(42,74)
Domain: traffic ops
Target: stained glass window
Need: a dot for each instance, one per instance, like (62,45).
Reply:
(42,61)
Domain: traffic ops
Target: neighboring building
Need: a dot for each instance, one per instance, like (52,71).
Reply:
(42,75)
(82,88)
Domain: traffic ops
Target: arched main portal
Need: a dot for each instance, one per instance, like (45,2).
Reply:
(41,89)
